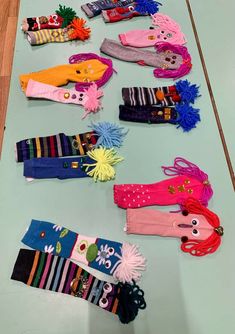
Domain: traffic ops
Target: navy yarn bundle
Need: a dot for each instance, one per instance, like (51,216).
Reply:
(131,300)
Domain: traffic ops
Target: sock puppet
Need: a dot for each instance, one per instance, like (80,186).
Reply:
(51,272)
(198,227)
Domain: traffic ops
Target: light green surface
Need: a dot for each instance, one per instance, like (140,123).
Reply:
(185,295)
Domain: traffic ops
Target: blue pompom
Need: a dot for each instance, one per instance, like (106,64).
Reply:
(110,134)
(147,6)
(187,91)
(188,117)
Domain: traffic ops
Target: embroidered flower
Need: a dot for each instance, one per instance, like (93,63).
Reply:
(57,228)
(48,249)
(104,253)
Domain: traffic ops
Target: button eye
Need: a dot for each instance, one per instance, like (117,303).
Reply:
(107,264)
(195,222)
(195,233)
(162,32)
(81,94)
(107,287)
(103,302)
(111,250)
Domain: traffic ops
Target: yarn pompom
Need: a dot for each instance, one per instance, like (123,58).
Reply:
(130,264)
(110,134)
(147,6)
(188,92)
(91,100)
(130,301)
(67,13)
(77,29)
(102,169)
(188,117)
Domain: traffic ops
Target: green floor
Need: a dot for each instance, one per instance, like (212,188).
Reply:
(184,295)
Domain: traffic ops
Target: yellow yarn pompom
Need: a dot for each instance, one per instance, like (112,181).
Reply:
(105,159)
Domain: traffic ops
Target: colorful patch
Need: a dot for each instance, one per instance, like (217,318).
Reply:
(58,247)
(92,252)
(81,247)
(64,233)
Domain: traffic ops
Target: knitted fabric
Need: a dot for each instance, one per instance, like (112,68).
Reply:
(47,36)
(95,8)
(55,273)
(101,254)
(53,21)
(88,70)
(186,180)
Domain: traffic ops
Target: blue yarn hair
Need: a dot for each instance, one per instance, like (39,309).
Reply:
(188,117)
(147,6)
(188,92)
(131,300)
(110,134)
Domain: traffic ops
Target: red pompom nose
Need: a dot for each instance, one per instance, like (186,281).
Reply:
(176,98)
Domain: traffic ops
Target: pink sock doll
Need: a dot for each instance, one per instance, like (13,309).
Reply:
(166,30)
(198,227)
(89,98)
(187,180)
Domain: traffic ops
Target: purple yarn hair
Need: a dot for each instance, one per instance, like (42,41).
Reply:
(184,68)
(185,167)
(80,86)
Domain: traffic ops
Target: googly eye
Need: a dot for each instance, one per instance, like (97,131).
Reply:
(195,233)
(131,8)
(103,302)
(54,17)
(195,222)
(28,141)
(107,264)
(107,287)
(111,250)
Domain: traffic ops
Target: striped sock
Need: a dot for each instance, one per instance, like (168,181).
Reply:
(53,146)
(54,273)
(47,36)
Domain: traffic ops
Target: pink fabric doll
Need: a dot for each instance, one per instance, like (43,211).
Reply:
(166,30)
(89,98)
(198,227)
(187,180)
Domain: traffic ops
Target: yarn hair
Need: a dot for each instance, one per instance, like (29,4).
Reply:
(184,68)
(212,243)
(78,58)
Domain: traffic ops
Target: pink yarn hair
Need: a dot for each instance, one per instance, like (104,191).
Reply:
(77,58)
(184,68)
(165,22)
(184,167)
(92,103)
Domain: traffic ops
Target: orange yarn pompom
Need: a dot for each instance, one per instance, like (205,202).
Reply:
(77,29)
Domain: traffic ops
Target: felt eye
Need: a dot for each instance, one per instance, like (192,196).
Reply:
(107,264)
(103,302)
(131,8)
(195,222)
(107,287)
(195,233)
(111,250)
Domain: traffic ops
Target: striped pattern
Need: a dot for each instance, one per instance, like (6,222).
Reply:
(54,273)
(55,146)
(47,36)
(142,96)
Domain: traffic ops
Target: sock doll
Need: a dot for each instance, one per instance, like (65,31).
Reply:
(186,180)
(61,19)
(120,13)
(102,134)
(181,92)
(97,164)
(198,227)
(182,115)
(84,69)
(170,61)
(89,98)
(166,30)
(58,274)
(122,261)
(74,31)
